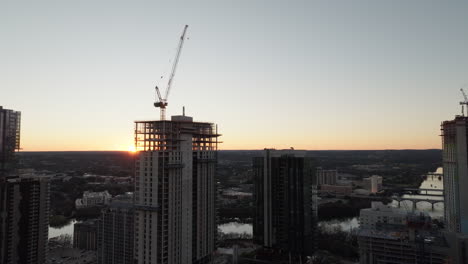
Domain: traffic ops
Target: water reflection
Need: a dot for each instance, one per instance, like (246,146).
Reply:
(236,228)
(431,182)
(346,225)
(64,230)
(227,228)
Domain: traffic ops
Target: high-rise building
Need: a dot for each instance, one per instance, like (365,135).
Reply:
(85,235)
(326,177)
(26,220)
(24,201)
(286,201)
(116,232)
(9,140)
(175,191)
(455,165)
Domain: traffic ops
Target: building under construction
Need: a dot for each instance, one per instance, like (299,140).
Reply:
(455,164)
(9,139)
(24,201)
(175,191)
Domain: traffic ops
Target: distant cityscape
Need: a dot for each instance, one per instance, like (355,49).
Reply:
(177,199)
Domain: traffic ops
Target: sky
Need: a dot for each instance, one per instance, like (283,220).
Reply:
(318,75)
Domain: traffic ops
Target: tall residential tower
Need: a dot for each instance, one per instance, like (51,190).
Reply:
(455,164)
(175,190)
(116,232)
(24,201)
(286,202)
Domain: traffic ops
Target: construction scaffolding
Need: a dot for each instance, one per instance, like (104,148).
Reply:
(166,135)
(10,122)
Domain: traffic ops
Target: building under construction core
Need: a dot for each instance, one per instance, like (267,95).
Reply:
(175,191)
(9,139)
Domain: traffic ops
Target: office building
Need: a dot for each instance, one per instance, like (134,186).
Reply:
(175,191)
(116,232)
(455,165)
(373,184)
(85,235)
(285,197)
(328,177)
(24,201)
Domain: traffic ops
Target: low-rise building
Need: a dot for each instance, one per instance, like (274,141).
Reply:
(392,235)
(378,214)
(71,256)
(91,199)
(337,189)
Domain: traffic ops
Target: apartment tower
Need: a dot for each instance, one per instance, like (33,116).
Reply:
(115,232)
(455,164)
(9,140)
(24,201)
(286,202)
(175,190)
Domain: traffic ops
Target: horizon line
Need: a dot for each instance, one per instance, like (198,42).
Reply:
(116,150)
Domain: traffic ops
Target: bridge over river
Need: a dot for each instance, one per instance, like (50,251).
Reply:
(416,200)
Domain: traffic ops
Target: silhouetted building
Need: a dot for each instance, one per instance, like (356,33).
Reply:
(337,189)
(286,201)
(116,228)
(24,201)
(9,140)
(26,220)
(328,177)
(455,164)
(85,235)
(175,191)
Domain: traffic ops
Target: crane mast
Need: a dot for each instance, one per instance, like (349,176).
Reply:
(464,102)
(162,103)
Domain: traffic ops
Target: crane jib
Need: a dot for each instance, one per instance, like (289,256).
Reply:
(163,101)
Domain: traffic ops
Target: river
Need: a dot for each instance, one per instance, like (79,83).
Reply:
(64,230)
(430,183)
(345,225)
(231,227)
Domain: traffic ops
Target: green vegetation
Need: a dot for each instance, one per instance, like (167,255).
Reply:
(58,221)
(339,243)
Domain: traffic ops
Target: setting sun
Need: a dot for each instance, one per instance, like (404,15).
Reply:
(132,149)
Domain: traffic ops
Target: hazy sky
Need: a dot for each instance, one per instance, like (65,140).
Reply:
(308,74)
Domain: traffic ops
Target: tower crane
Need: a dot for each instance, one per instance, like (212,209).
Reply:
(464,102)
(161,102)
